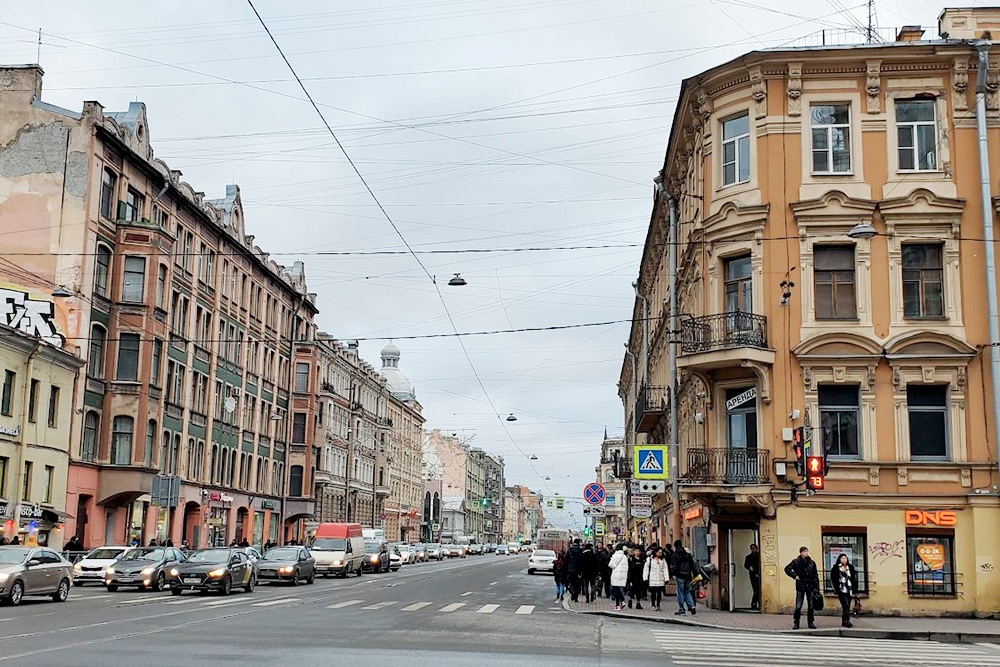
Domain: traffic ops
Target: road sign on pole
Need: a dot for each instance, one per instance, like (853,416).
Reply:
(650,462)
(593,493)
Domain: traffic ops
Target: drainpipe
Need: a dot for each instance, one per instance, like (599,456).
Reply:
(675,444)
(983,47)
(28,365)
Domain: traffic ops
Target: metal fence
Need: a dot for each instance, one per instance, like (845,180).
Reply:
(725,465)
(723,331)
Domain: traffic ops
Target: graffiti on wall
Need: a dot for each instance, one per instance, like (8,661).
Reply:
(769,550)
(884,551)
(34,317)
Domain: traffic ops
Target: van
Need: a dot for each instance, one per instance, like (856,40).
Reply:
(338,549)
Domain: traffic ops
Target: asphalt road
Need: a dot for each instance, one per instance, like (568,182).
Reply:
(484,609)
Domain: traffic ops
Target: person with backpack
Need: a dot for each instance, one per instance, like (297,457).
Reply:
(683,567)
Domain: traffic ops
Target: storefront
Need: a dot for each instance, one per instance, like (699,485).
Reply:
(217,522)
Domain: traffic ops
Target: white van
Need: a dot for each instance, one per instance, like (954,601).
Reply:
(338,549)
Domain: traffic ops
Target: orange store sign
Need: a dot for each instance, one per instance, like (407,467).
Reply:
(933,518)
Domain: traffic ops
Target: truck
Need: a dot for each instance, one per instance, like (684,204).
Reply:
(338,548)
(556,539)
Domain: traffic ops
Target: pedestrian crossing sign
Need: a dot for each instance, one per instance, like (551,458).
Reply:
(649,462)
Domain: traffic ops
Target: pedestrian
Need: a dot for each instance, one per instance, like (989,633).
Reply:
(619,577)
(16,540)
(803,571)
(656,574)
(560,572)
(635,580)
(3,541)
(244,543)
(170,542)
(234,543)
(844,578)
(604,582)
(683,567)
(589,571)
(152,542)
(184,545)
(73,544)
(752,565)
(573,566)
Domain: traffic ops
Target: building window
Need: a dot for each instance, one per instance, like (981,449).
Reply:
(26,482)
(7,398)
(4,462)
(923,281)
(930,564)
(33,401)
(135,276)
(88,446)
(121,440)
(128,357)
(738,285)
(147,453)
(295,481)
(154,374)
(161,286)
(47,480)
(854,545)
(95,362)
(834,277)
(102,270)
(53,417)
(301,377)
(839,416)
(916,135)
(299,427)
(736,150)
(927,405)
(133,205)
(108,181)
(831,138)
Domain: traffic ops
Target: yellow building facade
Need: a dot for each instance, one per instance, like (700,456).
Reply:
(793,314)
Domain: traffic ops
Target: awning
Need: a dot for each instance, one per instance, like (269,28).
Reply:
(55,516)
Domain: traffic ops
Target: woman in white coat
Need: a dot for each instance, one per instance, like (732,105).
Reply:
(656,575)
(619,577)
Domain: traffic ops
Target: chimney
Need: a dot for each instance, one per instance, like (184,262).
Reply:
(25,81)
(910,33)
(969,22)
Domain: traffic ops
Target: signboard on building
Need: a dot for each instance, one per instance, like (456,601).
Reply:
(740,399)
(650,462)
(642,512)
(593,493)
(268,504)
(10,431)
(642,501)
(599,528)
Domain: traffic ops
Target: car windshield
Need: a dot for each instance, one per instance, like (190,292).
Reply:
(10,556)
(329,544)
(282,554)
(105,554)
(144,554)
(210,556)
(545,553)
(372,547)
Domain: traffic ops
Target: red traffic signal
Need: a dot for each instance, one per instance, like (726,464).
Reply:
(815,473)
(815,465)
(816,482)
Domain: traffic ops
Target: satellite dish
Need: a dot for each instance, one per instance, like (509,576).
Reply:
(229,405)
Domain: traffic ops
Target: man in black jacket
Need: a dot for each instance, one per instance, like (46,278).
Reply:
(604,556)
(683,567)
(752,565)
(589,569)
(803,571)
(573,566)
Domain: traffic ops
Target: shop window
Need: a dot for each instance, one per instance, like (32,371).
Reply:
(923,280)
(930,567)
(831,138)
(845,541)
(916,135)
(834,282)
(927,405)
(736,150)
(839,416)
(88,446)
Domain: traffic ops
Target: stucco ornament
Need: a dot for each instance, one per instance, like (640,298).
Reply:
(873,85)
(960,84)
(794,89)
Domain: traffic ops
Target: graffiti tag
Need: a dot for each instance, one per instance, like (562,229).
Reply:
(34,317)
(883,551)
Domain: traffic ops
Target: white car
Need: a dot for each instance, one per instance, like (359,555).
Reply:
(91,567)
(541,560)
(407,554)
(513,547)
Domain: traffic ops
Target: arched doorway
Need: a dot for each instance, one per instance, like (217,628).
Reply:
(241,524)
(192,524)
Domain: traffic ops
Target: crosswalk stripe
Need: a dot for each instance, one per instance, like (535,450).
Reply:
(800,643)
(182,601)
(148,598)
(452,607)
(380,605)
(467,594)
(487,609)
(226,601)
(345,603)
(525,609)
(274,602)
(416,606)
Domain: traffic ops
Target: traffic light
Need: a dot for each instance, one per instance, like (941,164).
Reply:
(798,446)
(816,469)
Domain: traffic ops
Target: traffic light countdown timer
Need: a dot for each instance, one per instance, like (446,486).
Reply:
(809,460)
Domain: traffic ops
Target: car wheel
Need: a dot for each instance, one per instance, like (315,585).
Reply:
(227,585)
(531,570)
(250,584)
(78,584)
(16,594)
(311,579)
(112,588)
(159,583)
(177,591)
(62,592)
(361,570)
(295,579)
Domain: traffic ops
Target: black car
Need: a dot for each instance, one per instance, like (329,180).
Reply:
(288,565)
(376,557)
(145,567)
(218,569)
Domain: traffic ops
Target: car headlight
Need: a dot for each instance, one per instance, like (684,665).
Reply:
(288,569)
(217,573)
(109,570)
(174,572)
(4,576)
(374,559)
(77,568)
(338,562)
(146,571)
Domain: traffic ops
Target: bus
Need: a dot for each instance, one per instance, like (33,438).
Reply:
(556,539)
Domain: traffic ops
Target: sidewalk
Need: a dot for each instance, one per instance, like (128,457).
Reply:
(964,630)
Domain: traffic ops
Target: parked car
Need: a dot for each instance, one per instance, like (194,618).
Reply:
(421,552)
(216,569)
(376,557)
(91,567)
(33,571)
(252,553)
(435,551)
(339,549)
(541,560)
(395,558)
(502,550)
(288,565)
(144,567)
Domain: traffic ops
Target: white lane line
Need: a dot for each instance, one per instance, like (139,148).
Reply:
(90,597)
(416,606)
(494,583)
(227,601)
(188,600)
(487,609)
(274,602)
(345,603)
(452,607)
(467,594)
(150,598)
(380,605)
(525,609)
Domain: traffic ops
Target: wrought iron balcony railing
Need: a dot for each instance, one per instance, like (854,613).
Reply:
(726,465)
(650,406)
(722,331)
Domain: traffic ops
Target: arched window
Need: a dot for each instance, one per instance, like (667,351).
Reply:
(199,463)
(95,360)
(88,448)
(214,462)
(102,270)
(232,465)
(164,451)
(121,440)
(147,455)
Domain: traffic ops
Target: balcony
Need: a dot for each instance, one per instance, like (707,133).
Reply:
(650,406)
(381,490)
(724,340)
(721,471)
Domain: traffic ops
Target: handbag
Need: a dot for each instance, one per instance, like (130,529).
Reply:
(857,607)
(818,600)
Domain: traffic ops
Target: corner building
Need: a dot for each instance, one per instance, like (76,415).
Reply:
(879,345)
(185,326)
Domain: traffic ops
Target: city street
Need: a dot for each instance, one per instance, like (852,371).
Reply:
(484,609)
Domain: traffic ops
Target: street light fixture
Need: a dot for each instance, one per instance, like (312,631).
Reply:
(457,281)
(511,417)
(862,230)
(533,458)
(61,292)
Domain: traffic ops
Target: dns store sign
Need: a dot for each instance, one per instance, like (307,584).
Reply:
(932,518)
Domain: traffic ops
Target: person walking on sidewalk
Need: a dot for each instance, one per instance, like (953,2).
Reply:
(683,567)
(619,577)
(589,571)
(803,571)
(573,566)
(656,573)
(606,555)
(844,578)
(560,572)
(635,578)
(752,565)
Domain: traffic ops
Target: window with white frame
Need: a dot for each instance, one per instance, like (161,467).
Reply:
(916,135)
(736,149)
(831,138)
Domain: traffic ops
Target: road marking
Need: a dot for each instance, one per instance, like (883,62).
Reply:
(345,603)
(182,601)
(90,597)
(494,583)
(487,609)
(274,602)
(148,598)
(525,609)
(219,603)
(416,606)
(380,605)
(466,594)
(452,607)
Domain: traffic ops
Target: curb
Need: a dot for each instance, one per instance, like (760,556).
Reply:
(852,633)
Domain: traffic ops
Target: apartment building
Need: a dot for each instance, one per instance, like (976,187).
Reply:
(404,506)
(186,327)
(830,275)
(613,459)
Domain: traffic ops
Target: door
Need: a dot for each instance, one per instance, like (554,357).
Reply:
(741,435)
(740,586)
(109,527)
(34,575)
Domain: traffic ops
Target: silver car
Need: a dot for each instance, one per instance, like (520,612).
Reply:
(33,571)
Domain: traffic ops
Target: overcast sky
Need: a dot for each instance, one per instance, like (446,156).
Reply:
(479,124)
